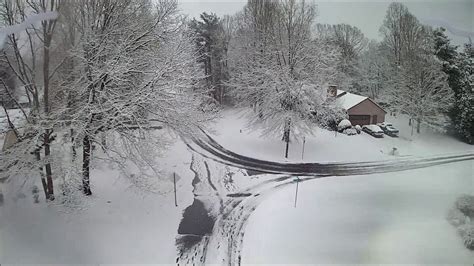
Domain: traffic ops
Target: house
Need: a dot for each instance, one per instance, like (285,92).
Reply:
(361,109)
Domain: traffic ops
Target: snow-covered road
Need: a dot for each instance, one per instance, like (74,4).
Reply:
(228,213)
(209,148)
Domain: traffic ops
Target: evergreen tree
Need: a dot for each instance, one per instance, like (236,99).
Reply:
(458,67)
(211,46)
(464,120)
(448,55)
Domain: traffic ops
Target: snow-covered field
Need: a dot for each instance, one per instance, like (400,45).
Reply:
(382,218)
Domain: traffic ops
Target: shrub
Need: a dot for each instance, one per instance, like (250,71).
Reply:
(467,233)
(465,204)
(455,217)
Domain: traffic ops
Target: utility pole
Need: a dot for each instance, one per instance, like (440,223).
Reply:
(296,194)
(302,152)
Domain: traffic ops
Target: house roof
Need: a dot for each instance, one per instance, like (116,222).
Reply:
(348,100)
(339,92)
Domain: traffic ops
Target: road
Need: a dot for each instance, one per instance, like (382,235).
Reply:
(213,227)
(209,148)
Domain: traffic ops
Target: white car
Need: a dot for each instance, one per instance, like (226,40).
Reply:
(350,131)
(373,130)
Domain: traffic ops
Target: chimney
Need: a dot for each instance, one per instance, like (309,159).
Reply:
(332,91)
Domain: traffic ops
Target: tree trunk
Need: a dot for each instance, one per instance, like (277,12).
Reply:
(222,95)
(73,146)
(103,141)
(47,133)
(418,122)
(409,121)
(43,180)
(86,158)
(49,174)
(286,137)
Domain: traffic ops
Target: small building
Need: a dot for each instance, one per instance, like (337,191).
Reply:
(361,109)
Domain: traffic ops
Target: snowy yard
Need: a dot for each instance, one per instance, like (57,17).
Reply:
(387,218)
(382,218)
(327,146)
(190,133)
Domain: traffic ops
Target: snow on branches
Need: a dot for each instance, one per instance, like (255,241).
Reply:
(127,81)
(279,69)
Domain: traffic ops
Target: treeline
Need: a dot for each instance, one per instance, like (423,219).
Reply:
(269,54)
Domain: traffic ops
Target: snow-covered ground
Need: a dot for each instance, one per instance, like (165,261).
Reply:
(382,218)
(117,224)
(326,146)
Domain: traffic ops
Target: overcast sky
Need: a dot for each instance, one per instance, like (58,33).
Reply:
(455,15)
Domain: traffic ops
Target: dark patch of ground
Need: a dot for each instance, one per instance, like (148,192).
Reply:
(254,172)
(196,220)
(187,241)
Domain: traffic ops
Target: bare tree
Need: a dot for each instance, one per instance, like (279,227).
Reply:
(36,79)
(424,94)
(374,78)
(278,68)
(134,65)
(402,34)
(349,39)
(117,71)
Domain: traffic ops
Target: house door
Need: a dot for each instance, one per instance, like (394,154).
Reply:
(374,119)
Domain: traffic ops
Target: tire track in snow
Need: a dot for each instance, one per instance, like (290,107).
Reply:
(210,149)
(234,213)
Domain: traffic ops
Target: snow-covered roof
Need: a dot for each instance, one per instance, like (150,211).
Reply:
(349,100)
(339,92)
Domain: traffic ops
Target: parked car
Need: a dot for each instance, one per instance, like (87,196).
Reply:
(373,130)
(350,131)
(389,129)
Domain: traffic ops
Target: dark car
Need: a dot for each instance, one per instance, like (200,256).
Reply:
(373,130)
(389,129)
